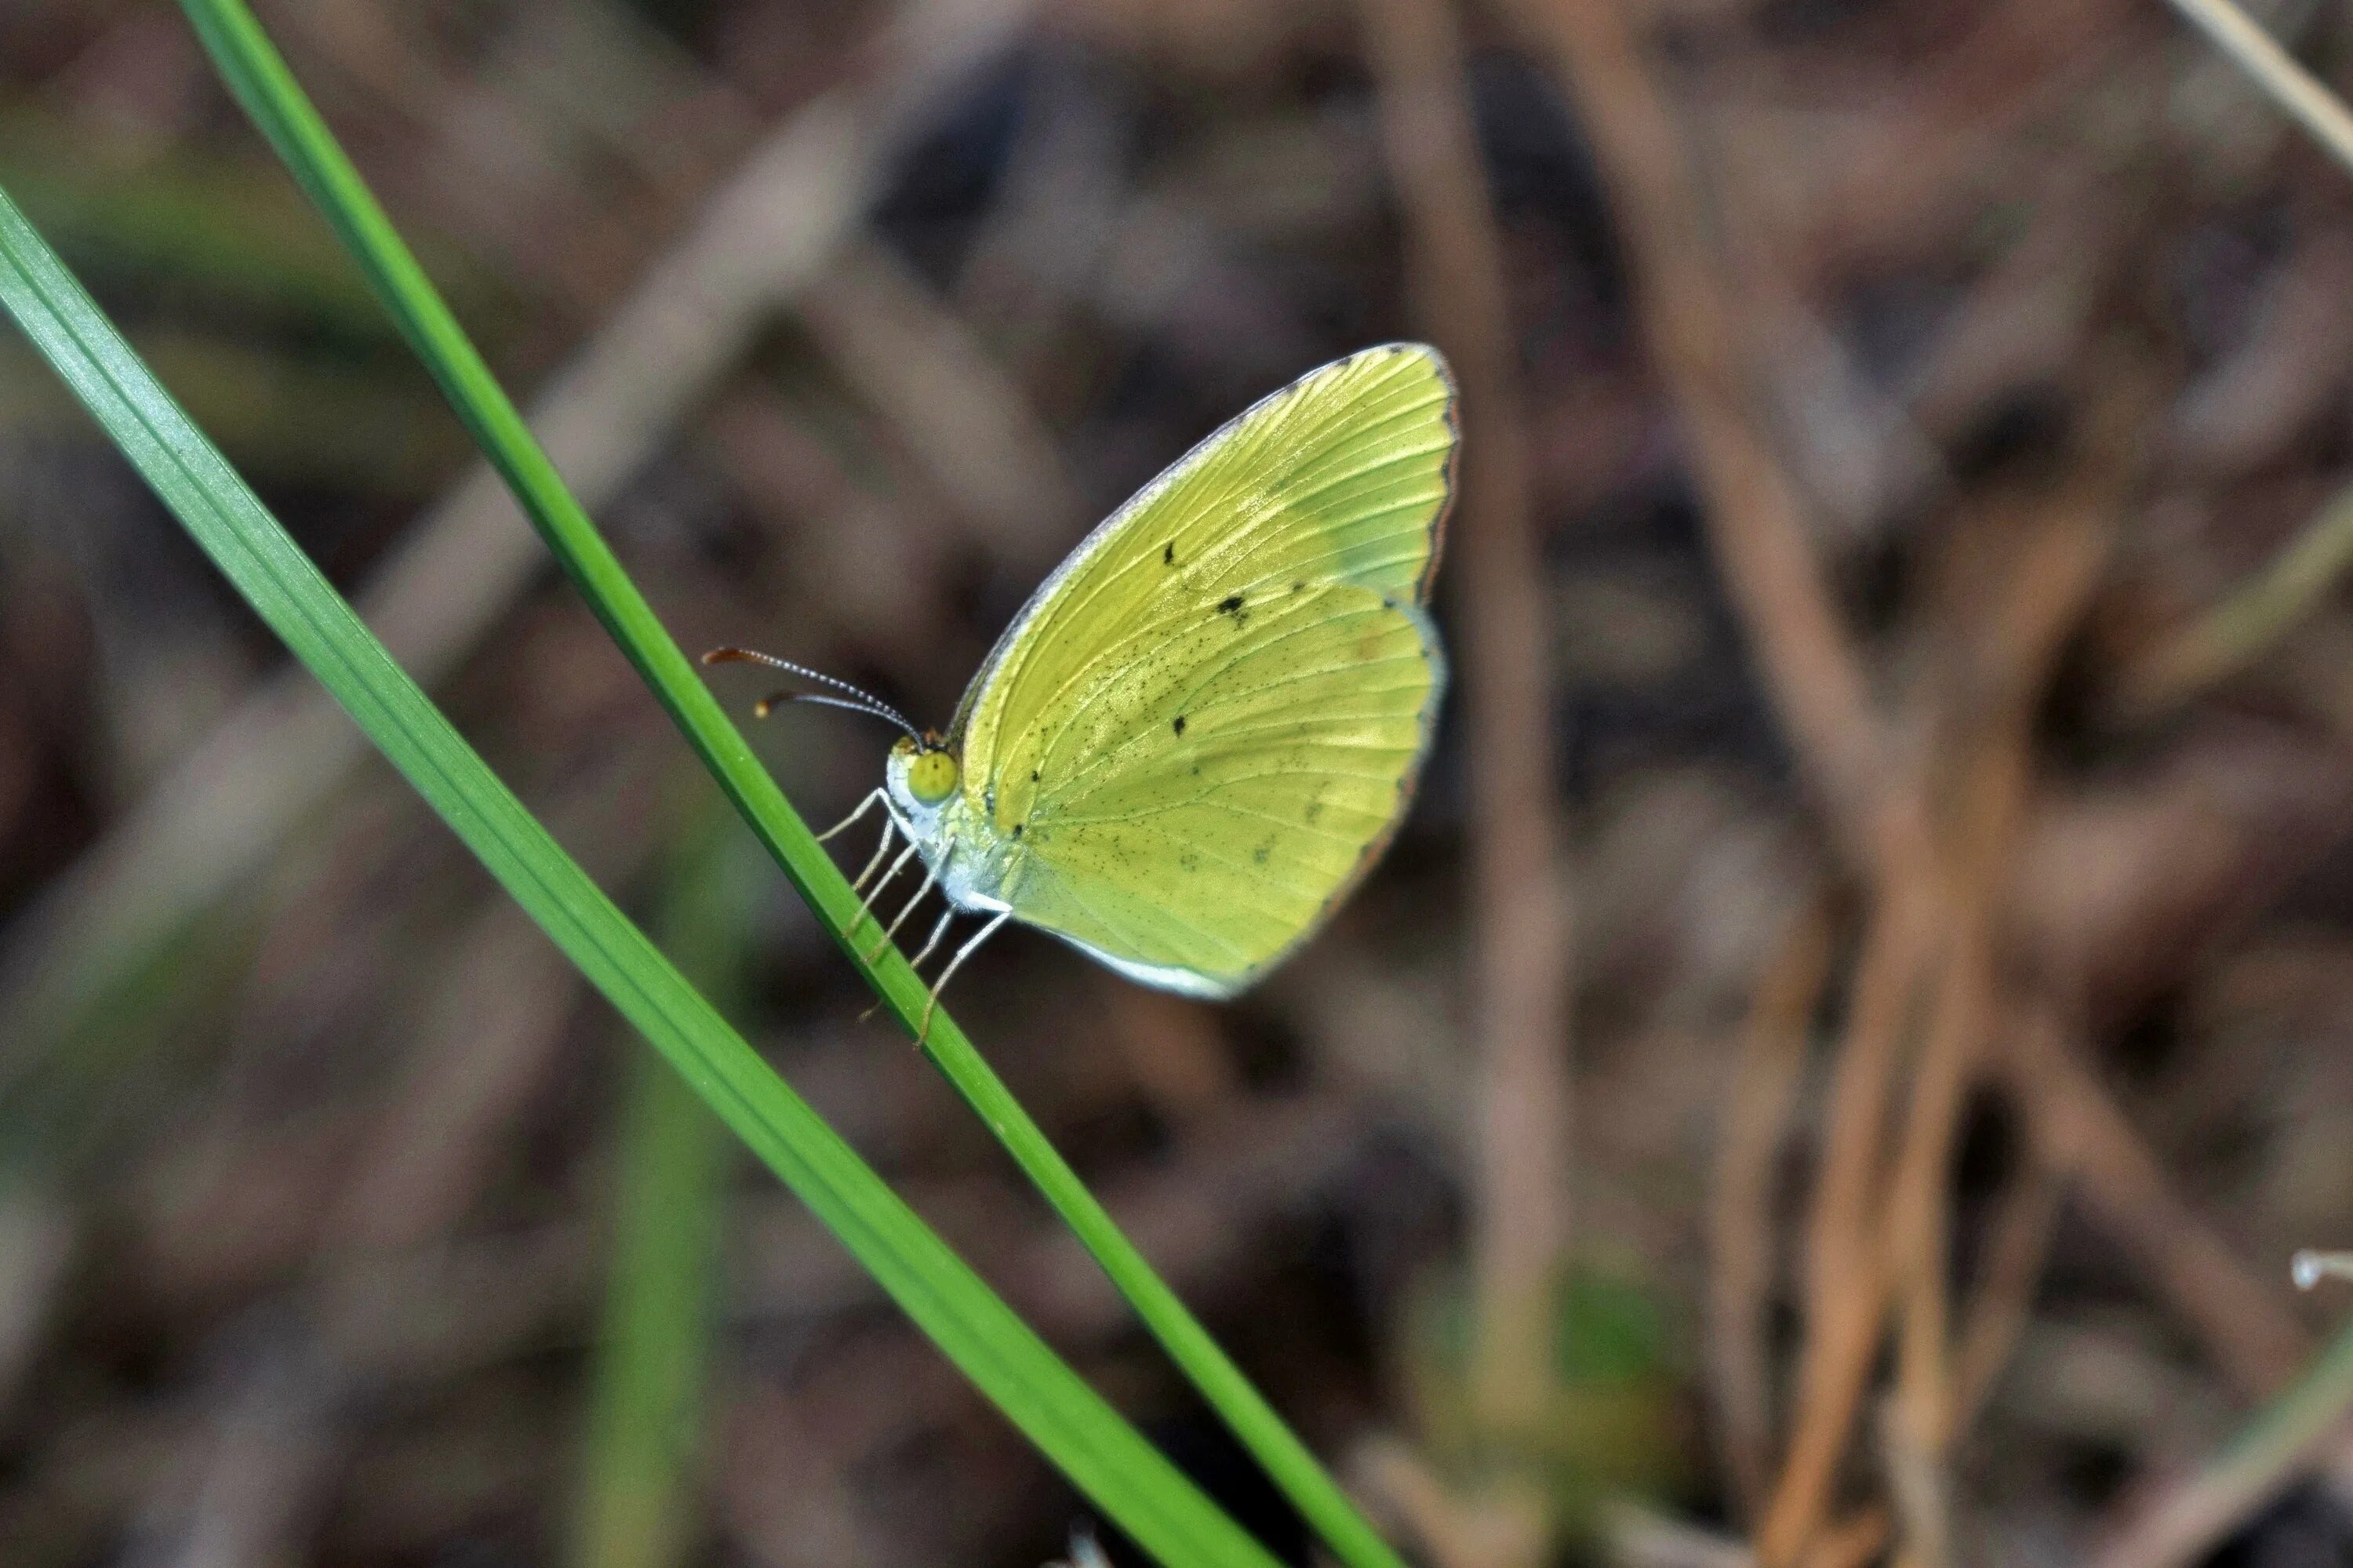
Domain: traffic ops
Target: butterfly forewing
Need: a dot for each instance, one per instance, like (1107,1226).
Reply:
(1205,725)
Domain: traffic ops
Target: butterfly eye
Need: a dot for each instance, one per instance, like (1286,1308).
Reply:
(931,777)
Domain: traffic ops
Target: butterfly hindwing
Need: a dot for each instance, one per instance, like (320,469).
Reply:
(1205,725)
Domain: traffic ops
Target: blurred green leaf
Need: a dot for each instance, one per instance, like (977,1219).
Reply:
(1609,1423)
(156,219)
(653,1349)
(1608,1330)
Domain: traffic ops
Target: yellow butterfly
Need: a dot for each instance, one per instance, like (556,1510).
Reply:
(1203,729)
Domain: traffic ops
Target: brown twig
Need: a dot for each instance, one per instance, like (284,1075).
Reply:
(1753,513)
(1814,676)
(1845,1274)
(2082,1132)
(2052,573)
(1880,816)
(2018,1243)
(38,1237)
(1900,1207)
(1520,925)
(1503,1528)
(975,435)
(2286,1438)
(1919,1488)
(1850,1543)
(1920,158)
(879,557)
(1634,1537)
(1740,1212)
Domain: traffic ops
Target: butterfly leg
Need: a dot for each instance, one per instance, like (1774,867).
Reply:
(890,831)
(931,944)
(932,1004)
(890,828)
(873,798)
(866,904)
(931,880)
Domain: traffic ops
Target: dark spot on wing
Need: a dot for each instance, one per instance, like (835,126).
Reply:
(1168,554)
(1229,604)
(1187,860)
(1315,810)
(1018,827)
(1179,726)
(1033,775)
(1388,603)
(1296,586)
(1258,855)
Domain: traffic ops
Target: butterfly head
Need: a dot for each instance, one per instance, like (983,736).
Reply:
(922,773)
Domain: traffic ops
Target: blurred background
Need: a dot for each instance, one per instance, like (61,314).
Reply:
(1832,1071)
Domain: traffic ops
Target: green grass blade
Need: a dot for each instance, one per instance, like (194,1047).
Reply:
(277,105)
(639,1470)
(638,1473)
(1100,1453)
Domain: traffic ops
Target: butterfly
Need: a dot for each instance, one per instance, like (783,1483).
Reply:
(1203,729)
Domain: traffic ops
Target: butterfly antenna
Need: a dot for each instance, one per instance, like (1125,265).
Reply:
(775,700)
(865,701)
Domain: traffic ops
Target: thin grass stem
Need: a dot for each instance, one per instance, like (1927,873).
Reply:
(651,1361)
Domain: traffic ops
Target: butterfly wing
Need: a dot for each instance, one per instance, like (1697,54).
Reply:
(1205,726)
